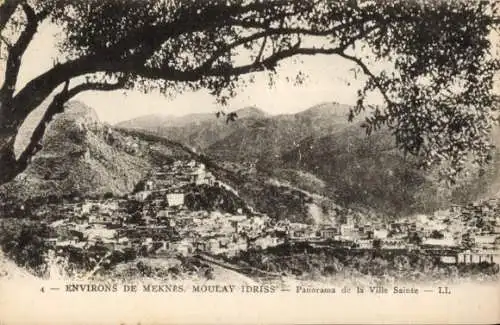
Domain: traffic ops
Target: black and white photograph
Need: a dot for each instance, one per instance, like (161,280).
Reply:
(310,149)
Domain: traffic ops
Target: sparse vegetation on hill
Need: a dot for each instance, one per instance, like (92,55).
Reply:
(268,138)
(78,156)
(212,198)
(255,190)
(371,172)
(360,170)
(23,241)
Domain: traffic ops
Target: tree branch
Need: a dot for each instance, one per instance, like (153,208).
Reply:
(243,40)
(295,30)
(97,86)
(7,9)
(257,58)
(45,83)
(185,22)
(36,90)
(280,31)
(6,41)
(367,72)
(267,63)
(15,53)
(39,88)
(272,60)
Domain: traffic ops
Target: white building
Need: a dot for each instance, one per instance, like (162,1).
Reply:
(364,243)
(329,232)
(380,233)
(347,230)
(149,186)
(267,241)
(175,199)
(142,195)
(444,242)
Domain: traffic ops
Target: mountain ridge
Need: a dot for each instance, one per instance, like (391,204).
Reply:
(209,132)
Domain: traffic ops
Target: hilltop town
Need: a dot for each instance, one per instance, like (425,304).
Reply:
(180,209)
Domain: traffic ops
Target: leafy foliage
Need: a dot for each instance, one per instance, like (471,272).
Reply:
(439,91)
(437,58)
(211,198)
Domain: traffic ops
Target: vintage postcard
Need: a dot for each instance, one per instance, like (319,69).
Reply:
(249,161)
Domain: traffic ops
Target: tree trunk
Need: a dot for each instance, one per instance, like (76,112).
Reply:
(8,165)
(56,106)
(9,127)
(12,119)
(13,112)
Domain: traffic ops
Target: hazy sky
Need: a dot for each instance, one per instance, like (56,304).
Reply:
(329,79)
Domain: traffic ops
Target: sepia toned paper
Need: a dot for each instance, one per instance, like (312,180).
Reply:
(222,285)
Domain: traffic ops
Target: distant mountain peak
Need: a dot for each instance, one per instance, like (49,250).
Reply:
(251,111)
(327,108)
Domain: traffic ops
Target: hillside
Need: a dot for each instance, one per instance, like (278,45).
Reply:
(278,200)
(78,156)
(267,139)
(358,169)
(369,171)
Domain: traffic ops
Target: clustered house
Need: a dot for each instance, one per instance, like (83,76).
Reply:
(155,220)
